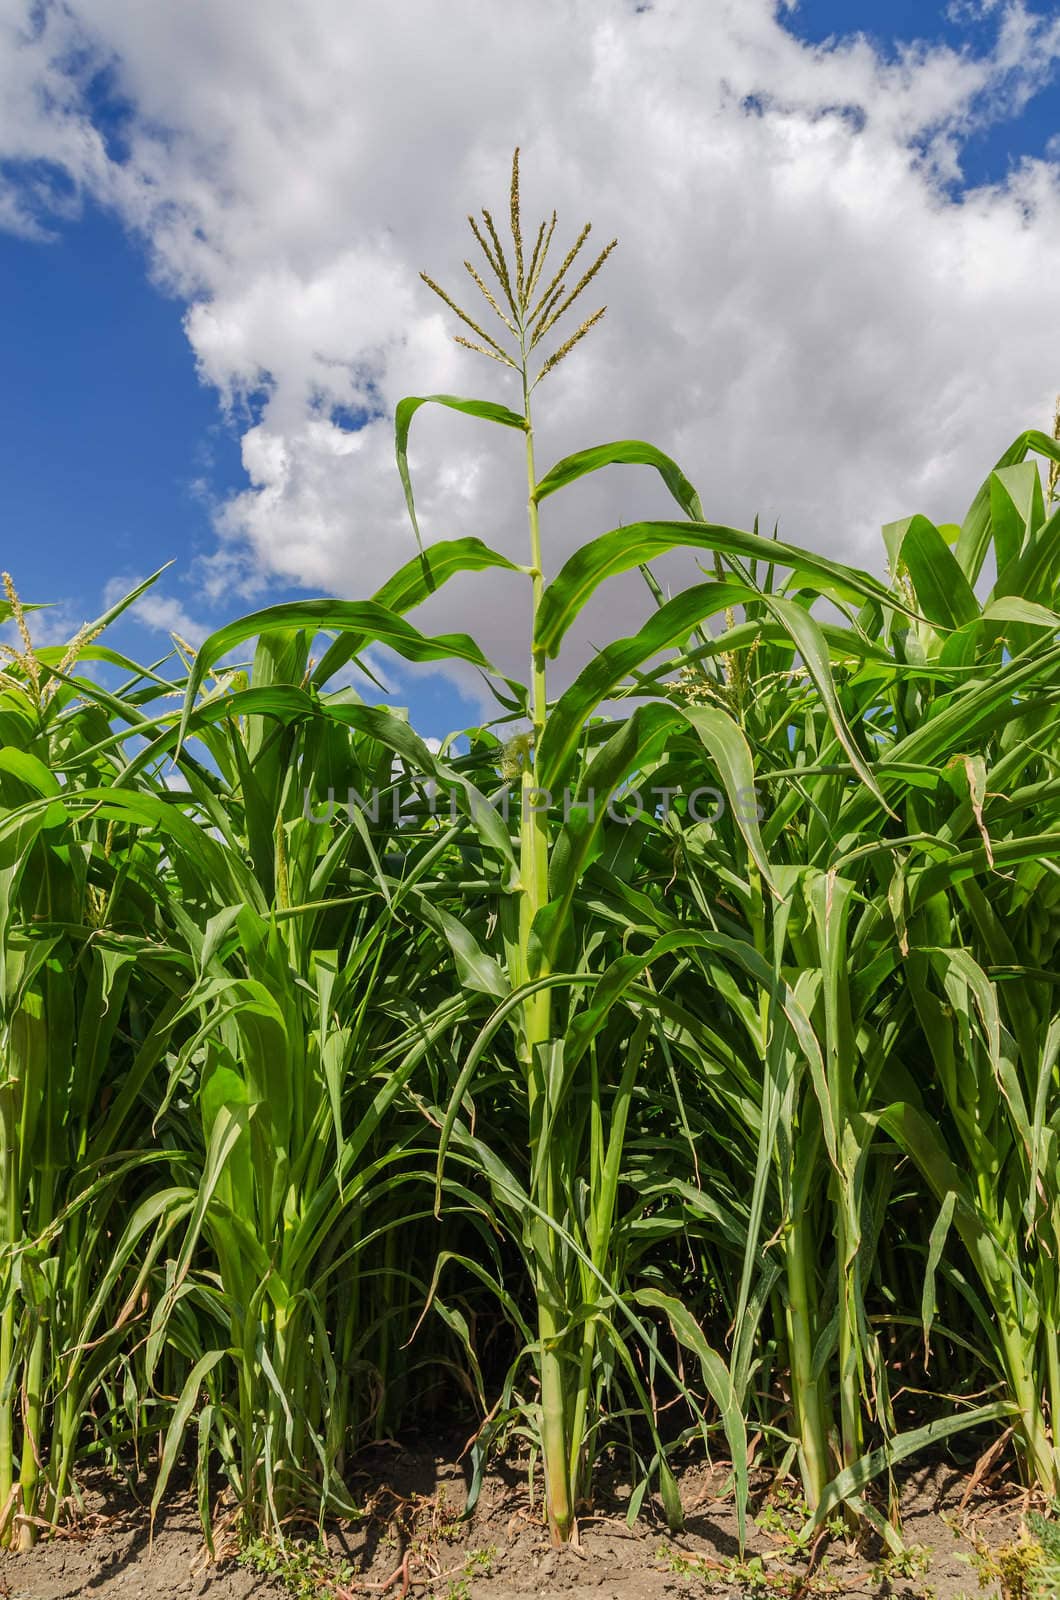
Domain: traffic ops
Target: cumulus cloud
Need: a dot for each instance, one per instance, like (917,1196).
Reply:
(159,611)
(49,625)
(806,309)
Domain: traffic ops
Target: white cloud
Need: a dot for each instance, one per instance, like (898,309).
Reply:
(50,625)
(799,310)
(156,610)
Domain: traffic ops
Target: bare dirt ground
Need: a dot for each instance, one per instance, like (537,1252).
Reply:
(411,1542)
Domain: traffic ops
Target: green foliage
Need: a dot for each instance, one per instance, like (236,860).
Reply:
(1045,1578)
(611,1127)
(305,1572)
(1016,1567)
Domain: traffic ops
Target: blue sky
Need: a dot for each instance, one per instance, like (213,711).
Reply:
(990,152)
(115,455)
(111,447)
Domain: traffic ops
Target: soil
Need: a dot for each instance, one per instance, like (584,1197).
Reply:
(411,1541)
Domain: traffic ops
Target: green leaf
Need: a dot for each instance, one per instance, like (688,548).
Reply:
(936,1245)
(111,614)
(373,623)
(487,410)
(731,754)
(623,548)
(943,593)
(410,586)
(623,452)
(1016,509)
(862,1472)
(671,624)
(719,1384)
(475,969)
(1010,608)
(974,540)
(635,742)
(182,1411)
(813,648)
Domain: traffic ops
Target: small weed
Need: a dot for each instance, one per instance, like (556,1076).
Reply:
(1046,1578)
(304,1570)
(771,1520)
(684,1565)
(784,1517)
(750,1574)
(1016,1568)
(480,1562)
(910,1563)
(446,1527)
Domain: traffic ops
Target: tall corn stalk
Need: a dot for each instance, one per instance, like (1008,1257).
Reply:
(569,1254)
(879,745)
(782,1079)
(86,1009)
(304,1042)
(555,953)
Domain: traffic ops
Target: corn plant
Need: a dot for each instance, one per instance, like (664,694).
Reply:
(848,835)
(88,1001)
(303,1037)
(553,955)
(653,1128)
(975,896)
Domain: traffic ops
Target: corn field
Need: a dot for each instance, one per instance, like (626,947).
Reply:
(610,1128)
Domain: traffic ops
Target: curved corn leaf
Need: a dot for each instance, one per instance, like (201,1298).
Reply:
(974,539)
(671,624)
(486,410)
(373,623)
(719,1384)
(410,586)
(623,452)
(943,593)
(624,548)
